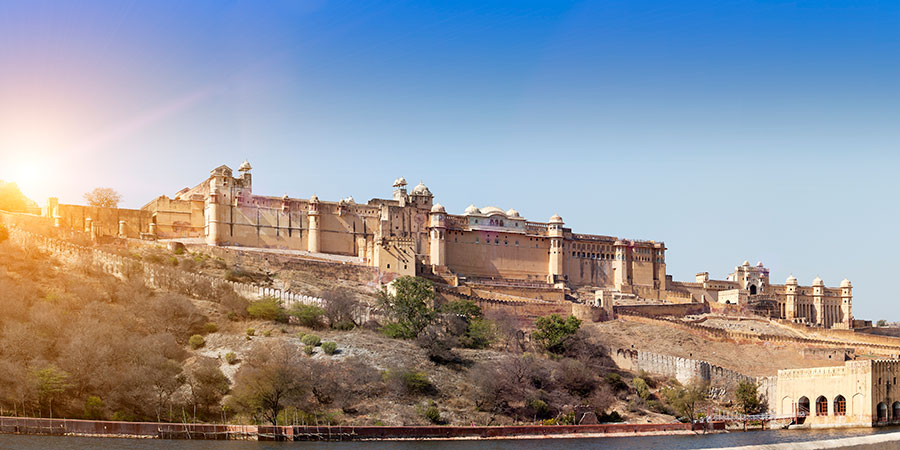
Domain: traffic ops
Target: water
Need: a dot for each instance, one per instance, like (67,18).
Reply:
(645,442)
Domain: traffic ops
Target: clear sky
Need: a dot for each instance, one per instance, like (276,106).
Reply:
(731,130)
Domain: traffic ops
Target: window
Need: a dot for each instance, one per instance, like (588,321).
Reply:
(388,266)
(840,406)
(821,406)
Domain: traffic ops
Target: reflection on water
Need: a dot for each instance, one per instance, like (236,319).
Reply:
(645,442)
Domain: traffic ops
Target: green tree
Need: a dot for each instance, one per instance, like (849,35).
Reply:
(747,397)
(643,390)
(552,332)
(52,382)
(409,306)
(687,400)
(307,315)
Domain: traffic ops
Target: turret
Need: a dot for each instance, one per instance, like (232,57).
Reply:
(818,300)
(847,303)
(555,232)
(313,215)
(438,235)
(790,297)
(213,213)
(400,190)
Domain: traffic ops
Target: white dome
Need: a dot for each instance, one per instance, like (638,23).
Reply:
(400,182)
(846,283)
(512,213)
(314,198)
(491,210)
(556,219)
(791,280)
(746,263)
(421,189)
(759,264)
(438,208)
(818,282)
(245,166)
(472,210)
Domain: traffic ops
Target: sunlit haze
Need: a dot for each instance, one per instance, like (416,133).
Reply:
(762,131)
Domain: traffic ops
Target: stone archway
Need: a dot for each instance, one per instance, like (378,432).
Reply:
(752,289)
(896,415)
(881,412)
(840,406)
(787,405)
(821,406)
(803,406)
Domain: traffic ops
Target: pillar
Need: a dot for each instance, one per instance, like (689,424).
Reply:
(790,298)
(818,300)
(213,215)
(846,304)
(121,228)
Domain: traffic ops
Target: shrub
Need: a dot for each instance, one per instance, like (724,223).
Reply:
(615,381)
(611,417)
(329,347)
(231,358)
(267,333)
(416,383)
(480,334)
(433,414)
(173,260)
(300,335)
(251,332)
(93,408)
(308,315)
(267,309)
(311,339)
(643,390)
(211,327)
(747,397)
(196,341)
(309,349)
(539,408)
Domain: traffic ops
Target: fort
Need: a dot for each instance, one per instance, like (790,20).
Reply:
(487,247)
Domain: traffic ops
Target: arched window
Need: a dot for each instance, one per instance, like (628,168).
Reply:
(840,406)
(822,406)
(803,407)
(882,412)
(896,416)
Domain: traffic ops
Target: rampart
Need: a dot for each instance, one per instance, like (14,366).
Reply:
(524,311)
(677,310)
(155,275)
(158,430)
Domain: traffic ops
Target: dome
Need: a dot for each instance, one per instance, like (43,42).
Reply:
(314,199)
(438,208)
(400,182)
(472,210)
(818,282)
(556,219)
(491,210)
(245,167)
(746,264)
(512,213)
(846,283)
(759,264)
(791,280)
(421,189)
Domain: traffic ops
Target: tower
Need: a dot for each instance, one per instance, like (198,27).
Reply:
(846,304)
(818,298)
(620,265)
(438,235)
(555,232)
(400,190)
(790,298)
(213,216)
(313,215)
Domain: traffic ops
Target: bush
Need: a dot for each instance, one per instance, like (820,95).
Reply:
(329,347)
(196,341)
(211,327)
(267,309)
(267,333)
(309,349)
(93,408)
(747,397)
(433,414)
(251,332)
(615,381)
(611,417)
(311,339)
(308,315)
(643,390)
(231,358)
(539,408)
(416,383)
(479,335)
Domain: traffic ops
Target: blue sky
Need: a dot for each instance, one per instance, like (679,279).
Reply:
(731,130)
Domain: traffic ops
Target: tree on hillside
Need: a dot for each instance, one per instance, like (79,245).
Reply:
(687,400)
(12,199)
(409,306)
(553,332)
(747,397)
(341,308)
(103,197)
(270,379)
